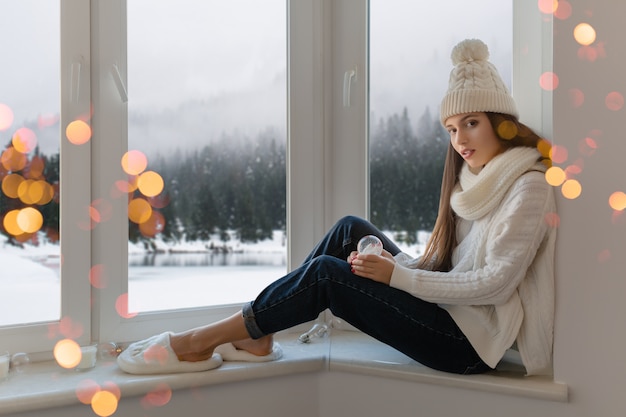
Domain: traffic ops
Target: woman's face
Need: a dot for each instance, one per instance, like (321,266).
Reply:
(473,138)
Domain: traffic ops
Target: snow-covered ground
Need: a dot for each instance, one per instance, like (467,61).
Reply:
(185,275)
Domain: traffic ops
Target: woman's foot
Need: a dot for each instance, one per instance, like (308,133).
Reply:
(190,346)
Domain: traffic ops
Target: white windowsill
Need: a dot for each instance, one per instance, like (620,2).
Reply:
(44,385)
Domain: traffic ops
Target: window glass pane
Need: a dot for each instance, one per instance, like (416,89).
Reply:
(29,162)
(207,110)
(410,45)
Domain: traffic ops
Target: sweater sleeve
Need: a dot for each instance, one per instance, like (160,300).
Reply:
(513,236)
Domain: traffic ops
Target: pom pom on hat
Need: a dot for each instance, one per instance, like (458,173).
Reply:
(475,85)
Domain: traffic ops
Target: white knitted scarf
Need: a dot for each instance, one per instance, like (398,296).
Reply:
(475,195)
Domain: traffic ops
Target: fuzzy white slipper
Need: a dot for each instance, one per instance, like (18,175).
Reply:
(155,356)
(228,352)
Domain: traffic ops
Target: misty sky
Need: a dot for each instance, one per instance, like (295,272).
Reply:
(225,69)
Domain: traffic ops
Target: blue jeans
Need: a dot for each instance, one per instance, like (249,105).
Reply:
(421,330)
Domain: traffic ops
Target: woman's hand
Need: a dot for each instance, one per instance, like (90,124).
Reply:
(375,267)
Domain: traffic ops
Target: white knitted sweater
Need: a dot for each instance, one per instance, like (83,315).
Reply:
(501,287)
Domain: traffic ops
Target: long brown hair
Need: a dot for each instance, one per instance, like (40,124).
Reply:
(438,253)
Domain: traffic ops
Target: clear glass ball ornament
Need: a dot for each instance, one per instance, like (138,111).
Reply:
(19,362)
(370,244)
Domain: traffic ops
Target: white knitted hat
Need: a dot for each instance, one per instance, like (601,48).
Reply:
(475,85)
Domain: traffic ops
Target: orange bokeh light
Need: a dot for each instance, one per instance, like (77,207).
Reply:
(150,184)
(617,201)
(10,185)
(10,223)
(67,353)
(139,210)
(78,132)
(104,403)
(555,176)
(134,162)
(584,34)
(571,189)
(29,220)
(13,160)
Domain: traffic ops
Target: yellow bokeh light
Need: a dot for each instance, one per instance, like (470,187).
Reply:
(544,147)
(6,117)
(67,353)
(617,201)
(10,185)
(23,192)
(139,210)
(134,162)
(10,223)
(571,189)
(584,34)
(24,140)
(150,184)
(555,176)
(104,403)
(29,220)
(78,132)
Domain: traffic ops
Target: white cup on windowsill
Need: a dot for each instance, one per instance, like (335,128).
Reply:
(88,357)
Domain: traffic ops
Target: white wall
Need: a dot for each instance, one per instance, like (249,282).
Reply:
(590,330)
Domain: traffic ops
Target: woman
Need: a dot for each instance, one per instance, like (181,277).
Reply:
(484,283)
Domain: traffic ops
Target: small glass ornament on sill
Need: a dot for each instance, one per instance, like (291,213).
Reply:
(370,244)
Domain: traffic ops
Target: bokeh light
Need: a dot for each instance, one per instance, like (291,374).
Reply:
(10,185)
(10,223)
(544,147)
(67,353)
(6,117)
(134,162)
(24,140)
(78,132)
(158,397)
(97,277)
(552,220)
(549,81)
(576,97)
(121,306)
(13,160)
(86,389)
(587,146)
(139,210)
(104,403)
(555,176)
(558,154)
(153,226)
(548,6)
(150,183)
(614,101)
(507,130)
(571,189)
(564,10)
(69,328)
(29,220)
(617,201)
(584,34)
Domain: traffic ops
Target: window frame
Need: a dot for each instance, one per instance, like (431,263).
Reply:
(327,148)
